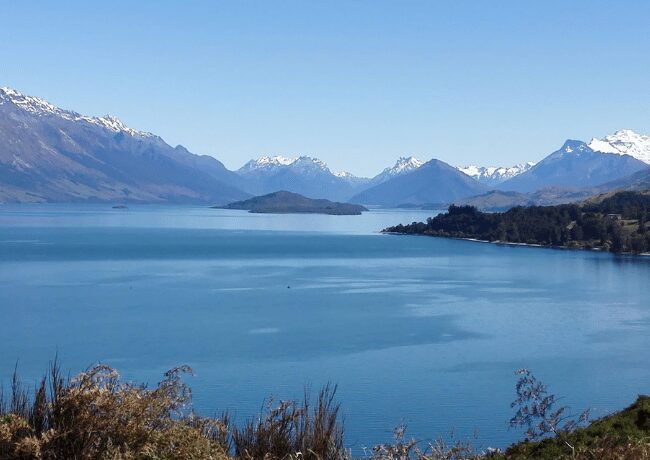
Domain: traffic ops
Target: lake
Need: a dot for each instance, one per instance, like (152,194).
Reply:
(415,330)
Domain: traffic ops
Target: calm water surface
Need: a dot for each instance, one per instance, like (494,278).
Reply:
(415,330)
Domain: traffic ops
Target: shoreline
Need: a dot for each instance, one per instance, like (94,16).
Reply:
(510,243)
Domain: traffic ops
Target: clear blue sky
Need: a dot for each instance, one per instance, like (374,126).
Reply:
(356,83)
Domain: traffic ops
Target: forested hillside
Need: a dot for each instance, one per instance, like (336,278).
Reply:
(616,223)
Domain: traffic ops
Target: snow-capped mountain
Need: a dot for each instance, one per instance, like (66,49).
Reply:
(303,163)
(403,165)
(351,178)
(574,165)
(265,163)
(624,142)
(309,165)
(304,174)
(51,154)
(492,175)
(41,108)
(433,182)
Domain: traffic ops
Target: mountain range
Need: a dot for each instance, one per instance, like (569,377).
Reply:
(433,182)
(52,154)
(494,175)
(576,165)
(624,142)
(305,175)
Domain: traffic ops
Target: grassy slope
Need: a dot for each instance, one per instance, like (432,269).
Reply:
(624,434)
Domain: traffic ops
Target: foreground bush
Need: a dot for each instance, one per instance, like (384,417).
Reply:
(97,416)
(292,429)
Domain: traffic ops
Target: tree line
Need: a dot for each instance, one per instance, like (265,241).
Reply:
(617,224)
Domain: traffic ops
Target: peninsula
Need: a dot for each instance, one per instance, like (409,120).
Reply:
(611,222)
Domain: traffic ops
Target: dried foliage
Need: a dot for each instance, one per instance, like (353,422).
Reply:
(97,416)
(411,449)
(537,411)
(292,430)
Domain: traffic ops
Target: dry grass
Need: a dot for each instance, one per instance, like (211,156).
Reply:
(410,449)
(96,415)
(632,450)
(294,430)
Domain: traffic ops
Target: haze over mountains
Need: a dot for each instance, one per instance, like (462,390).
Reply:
(305,175)
(48,154)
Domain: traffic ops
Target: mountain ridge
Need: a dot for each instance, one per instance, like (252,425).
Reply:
(52,154)
(624,142)
(433,182)
(575,164)
(493,175)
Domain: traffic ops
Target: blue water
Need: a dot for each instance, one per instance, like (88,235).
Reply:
(414,330)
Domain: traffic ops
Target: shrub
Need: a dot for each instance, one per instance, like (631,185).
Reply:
(294,430)
(95,415)
(538,413)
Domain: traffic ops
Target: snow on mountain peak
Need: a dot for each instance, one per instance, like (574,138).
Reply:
(624,142)
(115,124)
(40,107)
(493,175)
(276,160)
(307,160)
(344,175)
(302,163)
(31,104)
(309,165)
(404,164)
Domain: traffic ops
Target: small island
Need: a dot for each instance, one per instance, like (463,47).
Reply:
(283,202)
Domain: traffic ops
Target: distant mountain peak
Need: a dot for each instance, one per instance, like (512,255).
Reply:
(40,107)
(624,142)
(574,146)
(574,165)
(275,160)
(403,165)
(433,182)
(278,162)
(492,175)
(308,161)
